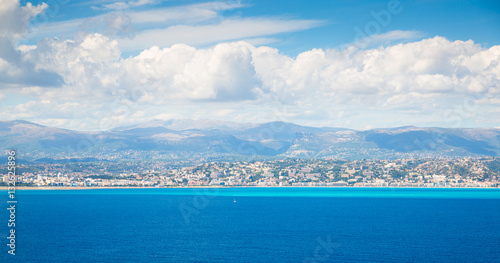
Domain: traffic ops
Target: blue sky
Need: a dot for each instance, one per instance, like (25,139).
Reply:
(454,20)
(355,64)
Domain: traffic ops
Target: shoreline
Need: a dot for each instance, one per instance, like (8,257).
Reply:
(198,187)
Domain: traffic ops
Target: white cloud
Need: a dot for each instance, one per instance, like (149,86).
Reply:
(14,18)
(110,24)
(87,64)
(91,86)
(126,5)
(387,38)
(227,30)
(183,14)
(224,72)
(137,20)
(15,70)
(413,82)
(193,24)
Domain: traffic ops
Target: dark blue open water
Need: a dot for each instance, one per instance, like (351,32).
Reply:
(263,225)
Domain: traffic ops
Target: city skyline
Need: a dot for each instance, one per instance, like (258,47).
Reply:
(102,64)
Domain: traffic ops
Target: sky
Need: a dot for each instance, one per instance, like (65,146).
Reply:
(95,65)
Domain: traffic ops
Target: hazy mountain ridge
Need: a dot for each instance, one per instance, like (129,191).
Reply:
(212,138)
(189,124)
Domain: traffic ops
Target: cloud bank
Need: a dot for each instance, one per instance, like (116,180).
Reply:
(92,86)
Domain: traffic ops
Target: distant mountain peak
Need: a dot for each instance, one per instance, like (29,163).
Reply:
(189,137)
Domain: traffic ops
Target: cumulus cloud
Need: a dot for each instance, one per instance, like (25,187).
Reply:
(87,65)
(244,82)
(14,18)
(91,67)
(15,70)
(224,72)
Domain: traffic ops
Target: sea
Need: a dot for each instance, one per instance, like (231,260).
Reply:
(254,225)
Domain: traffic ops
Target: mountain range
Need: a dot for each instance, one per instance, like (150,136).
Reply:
(186,138)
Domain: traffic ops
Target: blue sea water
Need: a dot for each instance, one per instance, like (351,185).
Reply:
(255,225)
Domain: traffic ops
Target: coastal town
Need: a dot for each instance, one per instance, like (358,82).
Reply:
(466,172)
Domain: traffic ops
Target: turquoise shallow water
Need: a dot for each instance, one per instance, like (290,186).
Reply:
(481,193)
(263,225)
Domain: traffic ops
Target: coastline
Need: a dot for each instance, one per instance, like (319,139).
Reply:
(201,187)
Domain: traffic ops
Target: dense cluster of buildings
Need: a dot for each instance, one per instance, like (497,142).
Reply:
(467,172)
